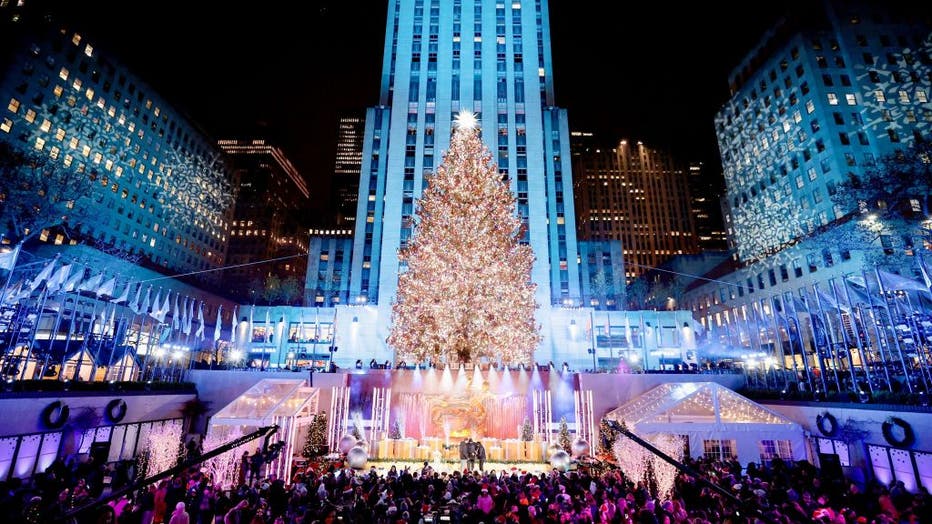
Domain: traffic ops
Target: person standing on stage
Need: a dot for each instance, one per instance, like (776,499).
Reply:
(464,453)
(470,454)
(480,454)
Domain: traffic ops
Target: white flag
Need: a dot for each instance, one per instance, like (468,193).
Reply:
(43,275)
(217,324)
(233,328)
(72,282)
(8,259)
(159,311)
(92,283)
(59,278)
(134,305)
(155,305)
(124,296)
(200,318)
(106,289)
(176,319)
(144,308)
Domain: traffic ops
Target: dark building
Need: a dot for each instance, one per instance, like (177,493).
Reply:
(346,169)
(705,193)
(634,194)
(268,236)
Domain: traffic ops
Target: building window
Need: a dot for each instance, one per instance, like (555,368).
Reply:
(851,99)
(832,99)
(6,125)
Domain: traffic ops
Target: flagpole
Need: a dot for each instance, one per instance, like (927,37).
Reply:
(53,336)
(100,341)
(865,358)
(777,342)
(896,340)
(877,334)
(799,337)
(35,332)
(844,337)
(68,337)
(84,343)
(914,334)
(829,335)
(789,335)
(121,369)
(9,275)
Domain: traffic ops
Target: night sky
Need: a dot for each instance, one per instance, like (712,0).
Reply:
(651,71)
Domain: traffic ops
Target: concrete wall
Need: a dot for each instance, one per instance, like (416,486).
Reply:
(22,415)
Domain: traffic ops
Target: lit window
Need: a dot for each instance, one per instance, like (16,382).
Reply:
(86,150)
(74,142)
(63,74)
(878,94)
(119,171)
(14,105)
(59,134)
(97,158)
(108,165)
(540,71)
(54,152)
(157,111)
(832,100)
(89,50)
(797,116)
(76,39)
(904,97)
(851,99)
(40,143)
(46,125)
(30,116)
(58,90)
(921,96)
(810,107)
(6,125)
(68,160)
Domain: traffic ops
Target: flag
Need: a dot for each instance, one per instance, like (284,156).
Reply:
(233,328)
(200,319)
(268,326)
(73,282)
(894,282)
(106,289)
(176,319)
(134,305)
(43,275)
(8,259)
(159,312)
(924,270)
(189,318)
(92,283)
(144,308)
(13,295)
(217,324)
(166,332)
(155,304)
(110,325)
(59,278)
(124,296)
(249,334)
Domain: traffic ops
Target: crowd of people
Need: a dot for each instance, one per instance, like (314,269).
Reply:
(328,492)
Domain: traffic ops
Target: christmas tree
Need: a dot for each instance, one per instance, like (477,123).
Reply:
(316,442)
(527,432)
(564,439)
(465,291)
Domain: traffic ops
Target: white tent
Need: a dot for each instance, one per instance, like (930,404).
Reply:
(288,403)
(717,421)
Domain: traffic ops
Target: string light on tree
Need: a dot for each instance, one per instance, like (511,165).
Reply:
(465,291)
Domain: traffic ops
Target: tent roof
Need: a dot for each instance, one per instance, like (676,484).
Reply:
(696,402)
(269,399)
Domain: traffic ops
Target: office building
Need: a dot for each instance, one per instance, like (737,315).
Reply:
(637,195)
(155,188)
(346,170)
(705,194)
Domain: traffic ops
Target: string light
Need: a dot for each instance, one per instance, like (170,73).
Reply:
(467,291)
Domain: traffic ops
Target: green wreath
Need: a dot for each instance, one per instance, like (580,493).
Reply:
(908,438)
(827,424)
(49,418)
(115,410)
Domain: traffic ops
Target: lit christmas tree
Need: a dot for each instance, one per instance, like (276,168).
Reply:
(564,438)
(466,292)
(316,443)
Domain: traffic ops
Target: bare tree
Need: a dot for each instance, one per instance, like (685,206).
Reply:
(37,193)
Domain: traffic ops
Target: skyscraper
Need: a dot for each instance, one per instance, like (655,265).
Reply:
(268,222)
(705,196)
(489,57)
(634,194)
(346,170)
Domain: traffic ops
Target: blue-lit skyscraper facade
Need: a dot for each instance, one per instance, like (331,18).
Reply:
(489,57)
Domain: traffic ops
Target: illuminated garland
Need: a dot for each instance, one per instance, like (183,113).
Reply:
(466,292)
